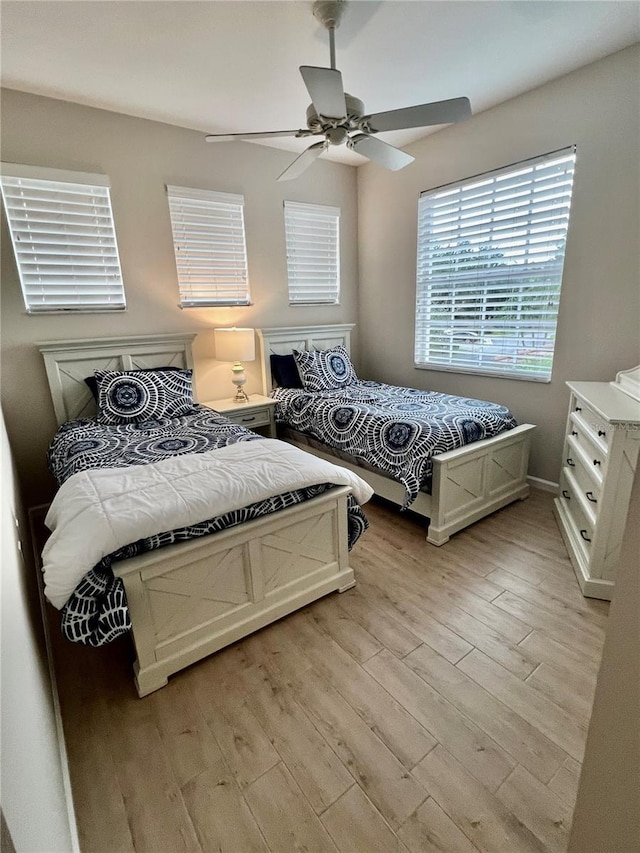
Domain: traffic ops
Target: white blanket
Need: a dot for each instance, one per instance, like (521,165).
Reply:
(96,512)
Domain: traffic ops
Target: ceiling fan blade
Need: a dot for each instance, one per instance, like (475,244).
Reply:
(439,112)
(325,88)
(302,163)
(231,137)
(378,151)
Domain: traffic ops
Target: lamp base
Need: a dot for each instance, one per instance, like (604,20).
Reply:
(238,380)
(241,396)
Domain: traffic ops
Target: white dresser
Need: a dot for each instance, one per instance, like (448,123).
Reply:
(599,461)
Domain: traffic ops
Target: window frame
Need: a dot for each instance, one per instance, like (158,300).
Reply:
(223,204)
(481,214)
(325,219)
(93,186)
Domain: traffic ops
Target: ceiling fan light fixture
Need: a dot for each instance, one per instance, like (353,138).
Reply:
(337,135)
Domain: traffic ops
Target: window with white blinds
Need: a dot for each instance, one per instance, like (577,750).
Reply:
(210,248)
(63,237)
(312,233)
(489,269)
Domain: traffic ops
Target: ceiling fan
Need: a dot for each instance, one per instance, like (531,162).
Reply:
(340,118)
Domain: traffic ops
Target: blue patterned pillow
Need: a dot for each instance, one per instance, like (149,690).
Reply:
(323,370)
(134,396)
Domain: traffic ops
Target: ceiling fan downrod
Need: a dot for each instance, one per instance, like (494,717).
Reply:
(329,13)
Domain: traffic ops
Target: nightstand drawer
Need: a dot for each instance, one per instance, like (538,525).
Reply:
(252,418)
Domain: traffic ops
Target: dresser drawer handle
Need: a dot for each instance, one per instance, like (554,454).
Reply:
(583,533)
(248,420)
(565,494)
(571,463)
(578,408)
(573,432)
(601,432)
(591,498)
(597,462)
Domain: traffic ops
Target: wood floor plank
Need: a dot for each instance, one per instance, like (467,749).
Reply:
(286,820)
(242,740)
(545,648)
(479,813)
(414,604)
(186,737)
(347,633)
(393,791)
(316,768)
(379,621)
(220,813)
(427,628)
(463,738)
(552,720)
(431,830)
(547,816)
(550,623)
(395,727)
(571,690)
(357,826)
(565,782)
(156,811)
(524,742)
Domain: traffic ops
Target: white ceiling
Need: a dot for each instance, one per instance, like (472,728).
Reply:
(224,67)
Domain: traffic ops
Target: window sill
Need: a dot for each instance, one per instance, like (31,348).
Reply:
(494,374)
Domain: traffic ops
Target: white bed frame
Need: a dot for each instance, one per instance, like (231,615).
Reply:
(468,483)
(190,599)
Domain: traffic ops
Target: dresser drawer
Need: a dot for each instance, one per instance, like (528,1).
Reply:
(588,421)
(583,527)
(588,486)
(579,451)
(252,418)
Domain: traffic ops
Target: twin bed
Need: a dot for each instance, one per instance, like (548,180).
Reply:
(250,529)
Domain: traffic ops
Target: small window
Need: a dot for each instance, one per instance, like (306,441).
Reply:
(63,237)
(313,253)
(489,270)
(210,248)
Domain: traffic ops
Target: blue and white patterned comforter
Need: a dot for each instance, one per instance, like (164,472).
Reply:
(97,613)
(397,430)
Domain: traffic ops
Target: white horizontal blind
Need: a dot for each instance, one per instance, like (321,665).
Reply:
(64,239)
(210,249)
(489,269)
(313,252)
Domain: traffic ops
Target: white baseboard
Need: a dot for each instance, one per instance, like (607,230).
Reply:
(543,485)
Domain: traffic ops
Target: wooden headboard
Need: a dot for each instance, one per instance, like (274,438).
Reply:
(68,363)
(285,340)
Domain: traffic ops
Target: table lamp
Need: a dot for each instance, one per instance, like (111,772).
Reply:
(236,345)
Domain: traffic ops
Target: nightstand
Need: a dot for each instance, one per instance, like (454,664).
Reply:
(257,414)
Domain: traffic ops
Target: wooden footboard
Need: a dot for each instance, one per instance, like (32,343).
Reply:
(473,481)
(468,483)
(191,599)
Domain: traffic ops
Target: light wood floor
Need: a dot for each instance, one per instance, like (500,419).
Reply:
(440,706)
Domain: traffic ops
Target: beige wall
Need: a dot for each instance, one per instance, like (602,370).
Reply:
(140,157)
(34,788)
(607,813)
(597,108)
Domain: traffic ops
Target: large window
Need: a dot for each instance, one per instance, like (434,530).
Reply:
(63,238)
(210,249)
(489,271)
(313,252)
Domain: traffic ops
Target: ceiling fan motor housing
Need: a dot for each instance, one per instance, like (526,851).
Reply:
(323,124)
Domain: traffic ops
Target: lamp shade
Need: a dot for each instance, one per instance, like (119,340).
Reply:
(235,344)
